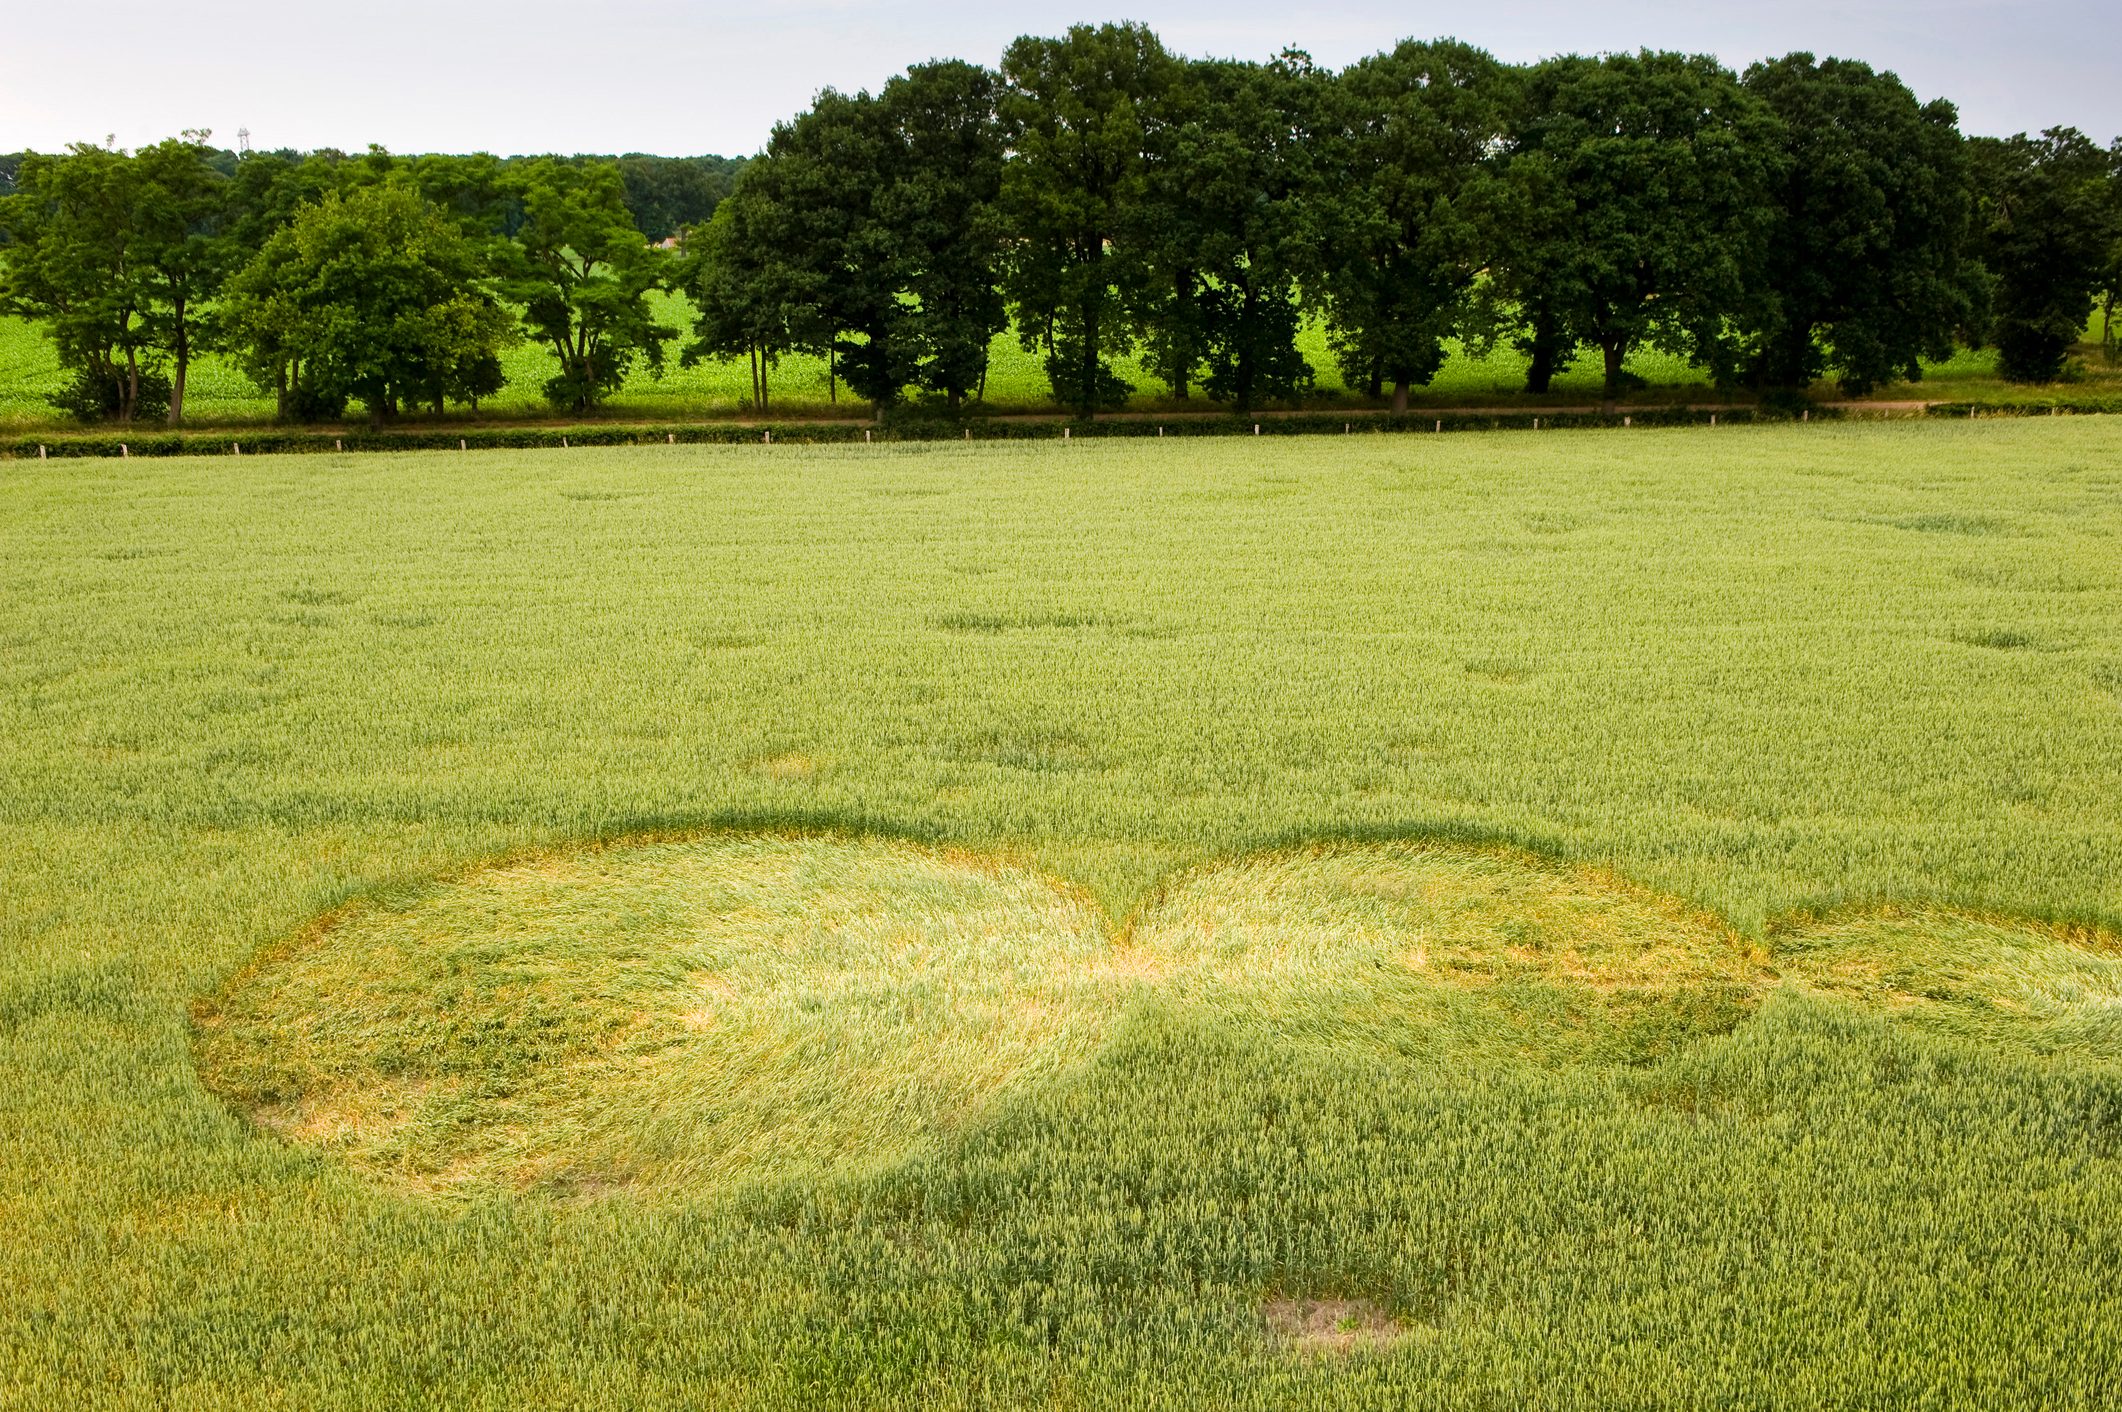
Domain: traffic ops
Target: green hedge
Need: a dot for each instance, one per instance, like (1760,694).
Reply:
(1026,428)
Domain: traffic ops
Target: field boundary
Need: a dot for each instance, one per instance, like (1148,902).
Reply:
(271,440)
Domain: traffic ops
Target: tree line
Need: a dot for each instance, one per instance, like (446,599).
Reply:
(1104,197)
(330,278)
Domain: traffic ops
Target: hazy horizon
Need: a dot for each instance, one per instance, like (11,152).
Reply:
(693,79)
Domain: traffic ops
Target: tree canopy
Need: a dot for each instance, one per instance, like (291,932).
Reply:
(1638,212)
(375,295)
(2046,235)
(1863,272)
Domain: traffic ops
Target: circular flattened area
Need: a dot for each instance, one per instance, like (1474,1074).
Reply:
(2026,984)
(663,1015)
(1451,951)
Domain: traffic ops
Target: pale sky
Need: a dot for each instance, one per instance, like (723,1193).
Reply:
(677,78)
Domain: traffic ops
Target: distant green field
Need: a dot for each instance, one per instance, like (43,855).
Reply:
(1580,920)
(29,373)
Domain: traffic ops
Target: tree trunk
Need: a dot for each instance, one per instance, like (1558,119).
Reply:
(181,351)
(1400,396)
(1616,351)
(1783,368)
(1087,390)
(832,372)
(1540,372)
(1546,353)
(129,398)
(1245,367)
(753,350)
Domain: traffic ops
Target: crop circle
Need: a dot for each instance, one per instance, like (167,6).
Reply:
(1469,955)
(663,1015)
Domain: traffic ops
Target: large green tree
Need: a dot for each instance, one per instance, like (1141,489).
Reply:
(185,250)
(757,293)
(581,272)
(1228,226)
(869,235)
(73,264)
(375,295)
(1863,273)
(828,168)
(2046,237)
(1078,111)
(936,201)
(1638,208)
(120,255)
(1412,146)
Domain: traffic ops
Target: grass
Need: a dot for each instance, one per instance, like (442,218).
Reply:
(1575,920)
(801,385)
(219,395)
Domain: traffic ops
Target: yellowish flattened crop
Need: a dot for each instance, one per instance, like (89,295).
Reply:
(1430,948)
(686,1014)
(2022,983)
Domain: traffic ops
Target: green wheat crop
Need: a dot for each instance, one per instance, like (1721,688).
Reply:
(1561,920)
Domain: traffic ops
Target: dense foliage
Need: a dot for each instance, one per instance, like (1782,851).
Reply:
(373,295)
(1638,206)
(135,262)
(1128,208)
(1867,263)
(2049,231)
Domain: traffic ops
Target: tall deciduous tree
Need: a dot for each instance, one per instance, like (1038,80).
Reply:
(581,273)
(1863,274)
(183,214)
(1077,110)
(937,200)
(870,235)
(828,167)
(1228,227)
(375,295)
(2045,237)
(120,254)
(73,263)
(1638,207)
(1413,143)
(2110,290)
(751,280)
